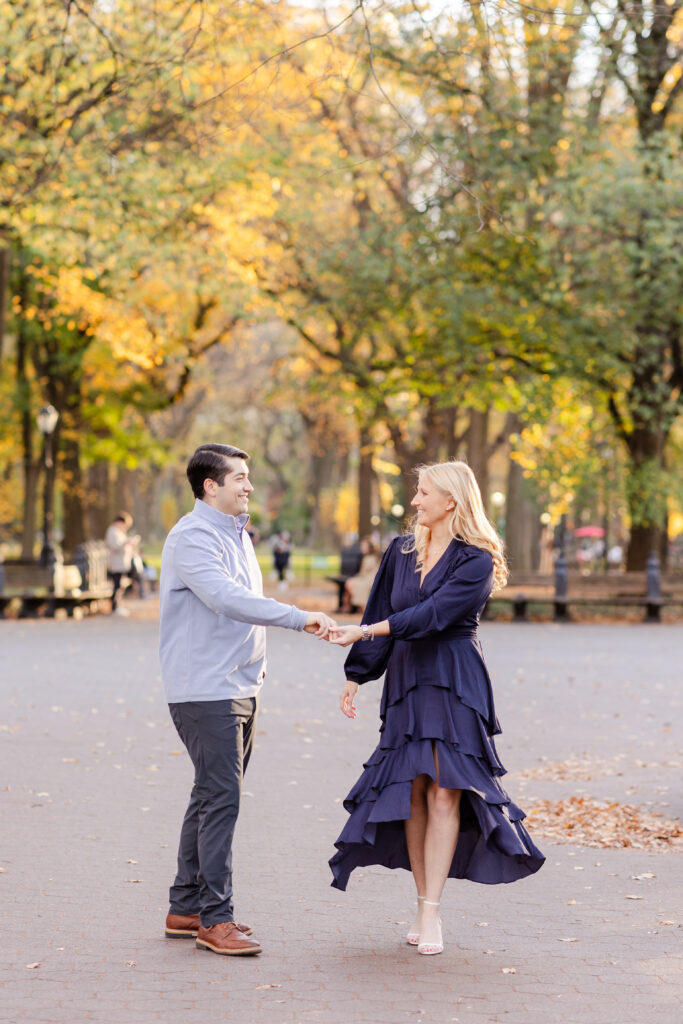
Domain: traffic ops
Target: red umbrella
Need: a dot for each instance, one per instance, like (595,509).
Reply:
(589,531)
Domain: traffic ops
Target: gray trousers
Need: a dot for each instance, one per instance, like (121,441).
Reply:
(219,736)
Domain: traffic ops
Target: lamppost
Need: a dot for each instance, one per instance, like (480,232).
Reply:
(498,501)
(605,452)
(47,421)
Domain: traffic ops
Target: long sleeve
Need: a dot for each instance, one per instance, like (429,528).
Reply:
(463,592)
(200,568)
(368,659)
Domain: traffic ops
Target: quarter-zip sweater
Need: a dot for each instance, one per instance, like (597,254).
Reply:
(212,610)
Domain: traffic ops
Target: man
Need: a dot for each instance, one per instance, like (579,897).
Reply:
(213,660)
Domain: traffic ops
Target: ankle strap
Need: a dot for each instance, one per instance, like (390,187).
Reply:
(432,904)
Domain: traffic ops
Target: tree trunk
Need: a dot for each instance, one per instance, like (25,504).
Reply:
(522,523)
(123,491)
(4,286)
(365,481)
(645,444)
(68,444)
(73,494)
(477,451)
(29,523)
(98,503)
(29,465)
(643,541)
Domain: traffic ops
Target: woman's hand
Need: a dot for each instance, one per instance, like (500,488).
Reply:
(345,635)
(347,697)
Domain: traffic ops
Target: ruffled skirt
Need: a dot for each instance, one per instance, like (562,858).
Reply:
(493,845)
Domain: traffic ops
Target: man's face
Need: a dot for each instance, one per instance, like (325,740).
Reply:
(232,497)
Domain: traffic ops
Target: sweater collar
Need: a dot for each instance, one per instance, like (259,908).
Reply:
(223,521)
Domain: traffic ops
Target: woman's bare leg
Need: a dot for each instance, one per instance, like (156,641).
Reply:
(441,839)
(415,829)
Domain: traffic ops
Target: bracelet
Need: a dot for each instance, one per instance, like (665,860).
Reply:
(365,633)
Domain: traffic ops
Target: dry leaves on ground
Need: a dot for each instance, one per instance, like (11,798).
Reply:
(584,821)
(585,768)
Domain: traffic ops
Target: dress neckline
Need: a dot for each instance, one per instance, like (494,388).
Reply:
(437,562)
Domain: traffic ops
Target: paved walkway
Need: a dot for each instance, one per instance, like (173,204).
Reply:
(94,786)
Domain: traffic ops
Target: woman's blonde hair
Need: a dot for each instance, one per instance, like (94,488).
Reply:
(469,522)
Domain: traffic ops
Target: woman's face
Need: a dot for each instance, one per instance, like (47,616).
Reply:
(432,506)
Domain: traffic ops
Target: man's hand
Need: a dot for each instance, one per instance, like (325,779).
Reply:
(347,697)
(319,624)
(345,635)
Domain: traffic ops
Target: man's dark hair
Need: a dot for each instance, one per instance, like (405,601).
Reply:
(209,463)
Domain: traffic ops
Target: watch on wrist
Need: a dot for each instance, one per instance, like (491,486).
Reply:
(365,632)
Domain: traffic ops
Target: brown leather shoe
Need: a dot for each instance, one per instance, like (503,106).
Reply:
(228,939)
(182,926)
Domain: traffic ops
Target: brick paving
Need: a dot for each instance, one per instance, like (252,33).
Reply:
(95,783)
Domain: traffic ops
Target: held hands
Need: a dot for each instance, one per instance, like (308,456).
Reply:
(319,624)
(347,696)
(345,635)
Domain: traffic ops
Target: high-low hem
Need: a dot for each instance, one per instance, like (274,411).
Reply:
(493,845)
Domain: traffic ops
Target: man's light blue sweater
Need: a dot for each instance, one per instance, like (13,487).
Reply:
(213,613)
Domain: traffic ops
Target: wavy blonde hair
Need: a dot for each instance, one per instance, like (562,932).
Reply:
(469,521)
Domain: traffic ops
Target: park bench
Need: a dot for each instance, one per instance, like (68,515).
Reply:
(77,588)
(563,589)
(350,562)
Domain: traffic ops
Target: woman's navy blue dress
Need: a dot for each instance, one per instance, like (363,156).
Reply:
(437,696)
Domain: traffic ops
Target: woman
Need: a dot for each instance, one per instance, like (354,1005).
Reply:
(357,588)
(122,550)
(429,799)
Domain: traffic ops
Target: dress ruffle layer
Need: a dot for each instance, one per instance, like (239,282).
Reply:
(493,845)
(460,664)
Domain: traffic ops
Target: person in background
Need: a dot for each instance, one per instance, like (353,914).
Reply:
(123,553)
(357,588)
(282,550)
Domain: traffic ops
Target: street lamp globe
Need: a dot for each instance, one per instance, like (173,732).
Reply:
(47,419)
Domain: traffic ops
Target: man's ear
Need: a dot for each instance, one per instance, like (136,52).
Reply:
(210,487)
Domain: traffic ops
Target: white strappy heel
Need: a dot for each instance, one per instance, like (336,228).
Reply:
(430,948)
(412,938)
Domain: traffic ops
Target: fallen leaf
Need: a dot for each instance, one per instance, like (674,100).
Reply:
(482,924)
(645,874)
(69,760)
(133,879)
(567,940)
(667,922)
(32,966)
(630,897)
(131,861)
(131,963)
(584,821)
(509,970)
(267,986)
